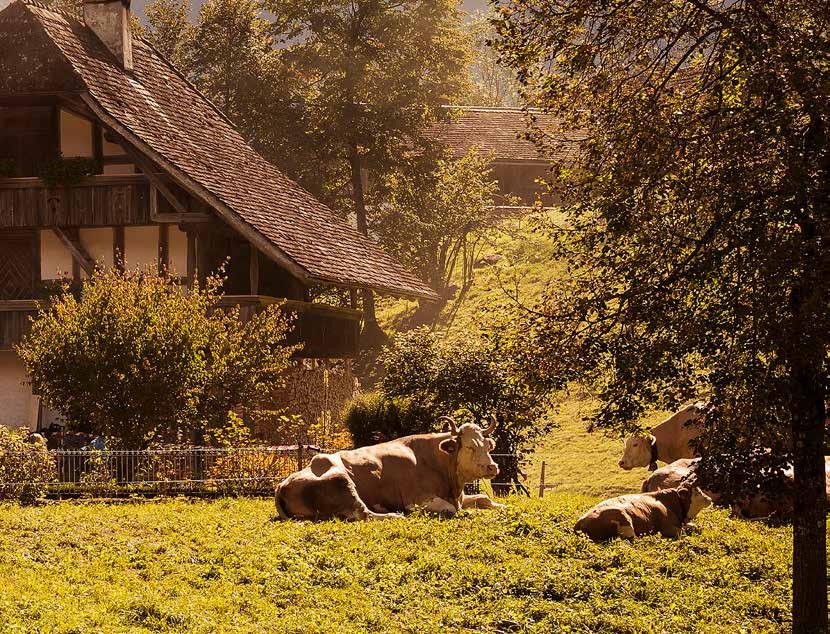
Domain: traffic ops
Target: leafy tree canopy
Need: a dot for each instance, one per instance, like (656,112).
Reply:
(698,218)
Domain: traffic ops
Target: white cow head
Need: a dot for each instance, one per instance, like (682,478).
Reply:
(699,502)
(472,446)
(640,451)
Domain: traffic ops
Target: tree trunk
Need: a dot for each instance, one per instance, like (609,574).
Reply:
(371,336)
(809,520)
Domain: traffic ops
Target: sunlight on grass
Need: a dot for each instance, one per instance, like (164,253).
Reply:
(178,566)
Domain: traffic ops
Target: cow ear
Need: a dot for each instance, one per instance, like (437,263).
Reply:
(448,446)
(491,443)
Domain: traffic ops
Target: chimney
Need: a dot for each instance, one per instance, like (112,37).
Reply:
(110,20)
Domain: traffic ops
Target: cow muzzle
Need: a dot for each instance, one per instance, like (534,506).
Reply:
(624,465)
(492,470)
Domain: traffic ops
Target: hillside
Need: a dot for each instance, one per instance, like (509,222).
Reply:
(575,461)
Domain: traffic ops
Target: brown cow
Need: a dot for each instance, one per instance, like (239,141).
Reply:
(670,476)
(629,516)
(382,481)
(668,441)
(756,507)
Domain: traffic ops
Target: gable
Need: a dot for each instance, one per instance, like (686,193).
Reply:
(156,111)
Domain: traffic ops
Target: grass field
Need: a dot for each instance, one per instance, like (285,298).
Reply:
(226,566)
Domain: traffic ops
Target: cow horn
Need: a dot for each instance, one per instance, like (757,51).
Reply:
(453,426)
(493,425)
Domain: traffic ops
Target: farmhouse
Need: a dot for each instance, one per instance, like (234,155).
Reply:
(165,180)
(503,134)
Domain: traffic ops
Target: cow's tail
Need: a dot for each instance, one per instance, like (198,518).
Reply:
(283,513)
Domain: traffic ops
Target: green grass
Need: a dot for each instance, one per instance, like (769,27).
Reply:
(225,566)
(514,282)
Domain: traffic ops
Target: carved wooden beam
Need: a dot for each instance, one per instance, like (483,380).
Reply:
(79,253)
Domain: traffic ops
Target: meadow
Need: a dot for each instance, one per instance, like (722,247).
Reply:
(227,566)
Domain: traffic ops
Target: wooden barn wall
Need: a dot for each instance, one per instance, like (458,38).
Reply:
(88,205)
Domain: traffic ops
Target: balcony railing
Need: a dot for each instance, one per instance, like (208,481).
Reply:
(97,200)
(326,332)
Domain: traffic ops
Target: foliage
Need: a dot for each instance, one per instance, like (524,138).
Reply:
(169,30)
(492,84)
(66,172)
(26,467)
(138,358)
(434,216)
(372,418)
(698,213)
(469,378)
(188,566)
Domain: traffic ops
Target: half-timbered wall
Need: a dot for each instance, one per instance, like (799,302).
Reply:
(55,258)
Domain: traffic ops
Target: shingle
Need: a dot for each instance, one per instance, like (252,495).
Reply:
(502,132)
(157,105)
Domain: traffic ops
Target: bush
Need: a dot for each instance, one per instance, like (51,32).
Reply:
(139,359)
(372,418)
(26,467)
(67,172)
(471,379)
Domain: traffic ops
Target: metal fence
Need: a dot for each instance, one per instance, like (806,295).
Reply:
(195,471)
(190,470)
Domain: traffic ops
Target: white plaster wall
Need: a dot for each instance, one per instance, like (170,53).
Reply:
(98,243)
(76,135)
(17,405)
(141,246)
(55,259)
(111,149)
(178,251)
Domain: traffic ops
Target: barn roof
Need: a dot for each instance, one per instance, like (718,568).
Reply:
(162,115)
(502,132)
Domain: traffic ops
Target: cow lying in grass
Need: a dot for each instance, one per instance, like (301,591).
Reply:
(757,506)
(382,481)
(665,512)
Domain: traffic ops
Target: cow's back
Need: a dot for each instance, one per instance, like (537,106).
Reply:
(398,474)
(670,476)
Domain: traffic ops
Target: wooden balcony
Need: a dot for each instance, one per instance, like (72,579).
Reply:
(96,201)
(326,332)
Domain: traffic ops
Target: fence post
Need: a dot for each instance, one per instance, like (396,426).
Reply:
(299,457)
(542,481)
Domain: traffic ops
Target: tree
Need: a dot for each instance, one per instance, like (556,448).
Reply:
(472,379)
(432,214)
(137,358)
(492,84)
(376,73)
(169,30)
(698,219)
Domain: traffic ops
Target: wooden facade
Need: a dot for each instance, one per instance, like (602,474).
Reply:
(139,214)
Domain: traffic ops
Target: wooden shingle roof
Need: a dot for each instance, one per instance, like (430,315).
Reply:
(501,132)
(162,115)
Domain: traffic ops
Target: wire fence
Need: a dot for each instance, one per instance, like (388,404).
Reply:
(190,470)
(195,471)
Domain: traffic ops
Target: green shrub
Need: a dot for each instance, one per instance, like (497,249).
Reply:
(25,467)
(372,418)
(66,172)
(139,359)
(473,379)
